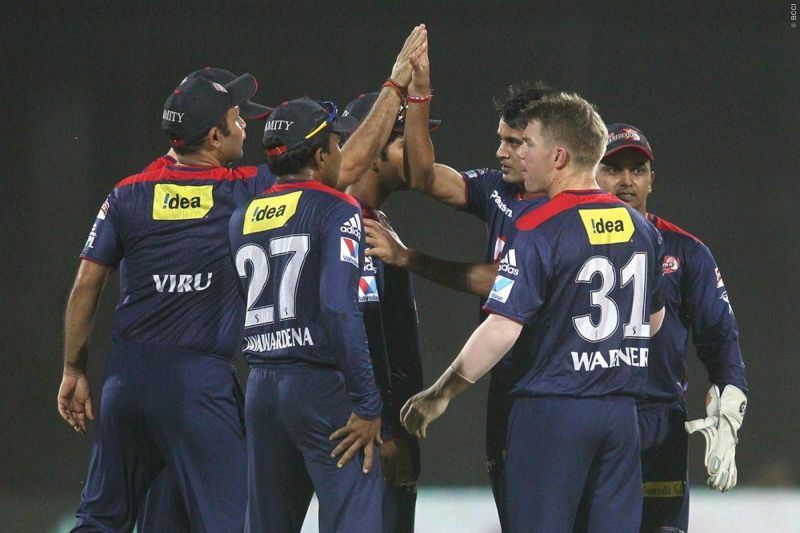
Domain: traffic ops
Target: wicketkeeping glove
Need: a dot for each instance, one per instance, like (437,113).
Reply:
(724,418)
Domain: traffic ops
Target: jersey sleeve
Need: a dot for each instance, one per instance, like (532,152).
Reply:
(478,184)
(714,328)
(104,245)
(520,287)
(342,255)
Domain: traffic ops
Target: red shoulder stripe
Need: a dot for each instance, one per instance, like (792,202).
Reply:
(663,225)
(317,186)
(560,203)
(182,173)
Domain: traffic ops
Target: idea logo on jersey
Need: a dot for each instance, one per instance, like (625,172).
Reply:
(182,202)
(271,212)
(607,226)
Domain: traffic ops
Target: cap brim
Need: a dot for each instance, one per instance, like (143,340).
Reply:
(638,147)
(253,111)
(345,125)
(242,89)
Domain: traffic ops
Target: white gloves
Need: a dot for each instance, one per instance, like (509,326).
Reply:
(725,414)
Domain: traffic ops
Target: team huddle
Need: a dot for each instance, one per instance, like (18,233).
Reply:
(588,301)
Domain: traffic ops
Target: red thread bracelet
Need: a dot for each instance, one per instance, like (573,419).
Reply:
(399,89)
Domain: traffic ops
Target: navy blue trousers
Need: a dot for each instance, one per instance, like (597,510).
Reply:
(566,454)
(498,406)
(664,465)
(167,407)
(400,503)
(291,411)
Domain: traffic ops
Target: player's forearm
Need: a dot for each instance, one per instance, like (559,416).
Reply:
(78,319)
(487,345)
(472,278)
(419,156)
(365,144)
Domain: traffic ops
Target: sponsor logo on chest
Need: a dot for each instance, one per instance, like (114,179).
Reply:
(182,202)
(273,212)
(495,196)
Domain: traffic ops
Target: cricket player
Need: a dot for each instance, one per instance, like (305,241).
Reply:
(583,273)
(697,302)
(170,394)
(163,508)
(312,402)
(498,197)
(386,294)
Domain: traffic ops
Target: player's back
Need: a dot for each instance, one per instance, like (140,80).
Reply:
(587,270)
(297,251)
(167,229)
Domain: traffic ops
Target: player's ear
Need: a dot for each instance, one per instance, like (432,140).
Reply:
(560,158)
(319,158)
(213,137)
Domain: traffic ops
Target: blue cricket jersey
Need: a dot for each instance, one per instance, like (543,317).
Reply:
(386,294)
(298,250)
(166,229)
(696,299)
(583,273)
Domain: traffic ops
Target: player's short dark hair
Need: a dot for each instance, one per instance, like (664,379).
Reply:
(517,97)
(571,120)
(392,137)
(300,156)
(196,146)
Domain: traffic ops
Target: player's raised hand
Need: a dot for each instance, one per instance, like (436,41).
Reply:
(422,409)
(421,74)
(357,434)
(415,45)
(385,244)
(75,400)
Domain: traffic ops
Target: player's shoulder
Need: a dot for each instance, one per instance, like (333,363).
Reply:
(567,203)
(675,234)
(179,173)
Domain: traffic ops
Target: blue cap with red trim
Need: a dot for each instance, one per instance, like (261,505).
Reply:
(296,122)
(197,105)
(625,136)
(248,110)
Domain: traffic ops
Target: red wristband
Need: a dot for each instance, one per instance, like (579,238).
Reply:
(419,99)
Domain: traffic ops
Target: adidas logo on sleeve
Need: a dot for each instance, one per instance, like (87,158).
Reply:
(509,263)
(352,226)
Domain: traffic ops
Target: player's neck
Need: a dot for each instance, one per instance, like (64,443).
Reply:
(574,181)
(369,190)
(201,159)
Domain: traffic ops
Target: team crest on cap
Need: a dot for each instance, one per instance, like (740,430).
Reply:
(624,133)
(219,87)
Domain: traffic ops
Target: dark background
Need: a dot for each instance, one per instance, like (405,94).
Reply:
(713,86)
